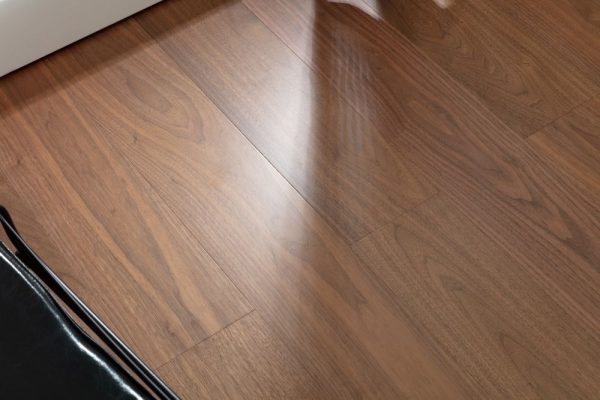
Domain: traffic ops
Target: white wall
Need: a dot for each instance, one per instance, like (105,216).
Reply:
(30,29)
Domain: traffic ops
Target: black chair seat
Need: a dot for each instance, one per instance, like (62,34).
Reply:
(43,353)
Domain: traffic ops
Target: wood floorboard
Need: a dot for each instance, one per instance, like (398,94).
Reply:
(243,361)
(589,10)
(309,199)
(492,173)
(527,82)
(28,226)
(128,255)
(573,143)
(336,159)
(287,261)
(529,61)
(504,333)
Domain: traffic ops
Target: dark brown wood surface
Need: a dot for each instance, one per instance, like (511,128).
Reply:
(529,61)
(268,240)
(121,244)
(277,199)
(244,361)
(336,159)
(572,142)
(474,302)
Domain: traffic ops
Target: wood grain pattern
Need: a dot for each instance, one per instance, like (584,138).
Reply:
(289,264)
(336,159)
(28,226)
(124,246)
(495,176)
(243,361)
(505,334)
(525,77)
(531,62)
(589,10)
(309,199)
(46,247)
(573,143)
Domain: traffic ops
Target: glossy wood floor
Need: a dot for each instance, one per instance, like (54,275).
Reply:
(282,199)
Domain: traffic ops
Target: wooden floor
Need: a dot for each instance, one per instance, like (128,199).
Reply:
(283,199)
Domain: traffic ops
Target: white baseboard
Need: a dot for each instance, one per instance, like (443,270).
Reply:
(31,29)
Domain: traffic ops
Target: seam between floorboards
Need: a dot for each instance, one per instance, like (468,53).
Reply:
(470,95)
(250,307)
(251,304)
(474,96)
(181,353)
(236,126)
(347,241)
(540,131)
(343,236)
(392,221)
(191,232)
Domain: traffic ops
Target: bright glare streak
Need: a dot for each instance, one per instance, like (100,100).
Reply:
(443,3)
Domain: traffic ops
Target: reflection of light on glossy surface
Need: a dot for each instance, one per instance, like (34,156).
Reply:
(370,7)
(443,3)
(373,7)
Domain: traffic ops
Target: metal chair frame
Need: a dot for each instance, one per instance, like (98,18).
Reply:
(60,289)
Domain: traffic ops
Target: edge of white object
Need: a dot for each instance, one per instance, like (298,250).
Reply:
(31,29)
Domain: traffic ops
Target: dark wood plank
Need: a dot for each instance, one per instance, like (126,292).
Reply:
(290,264)
(548,57)
(573,143)
(44,245)
(243,361)
(336,159)
(589,10)
(506,335)
(128,256)
(489,291)
(491,173)
(47,248)
(527,76)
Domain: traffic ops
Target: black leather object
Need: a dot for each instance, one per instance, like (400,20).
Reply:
(43,353)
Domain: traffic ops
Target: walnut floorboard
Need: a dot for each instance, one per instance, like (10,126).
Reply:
(287,261)
(573,143)
(44,244)
(589,10)
(335,158)
(504,333)
(529,61)
(46,247)
(128,256)
(464,149)
(243,361)
(308,199)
